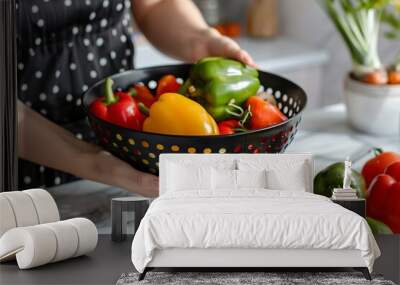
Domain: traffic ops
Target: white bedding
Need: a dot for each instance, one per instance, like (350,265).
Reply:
(252,218)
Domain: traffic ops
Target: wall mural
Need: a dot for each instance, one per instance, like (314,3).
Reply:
(8,121)
(378,183)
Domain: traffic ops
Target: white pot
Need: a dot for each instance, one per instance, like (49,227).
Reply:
(373,109)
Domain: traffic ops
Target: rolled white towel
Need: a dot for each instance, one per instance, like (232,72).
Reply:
(87,234)
(67,240)
(23,208)
(45,205)
(26,208)
(33,246)
(40,244)
(7,218)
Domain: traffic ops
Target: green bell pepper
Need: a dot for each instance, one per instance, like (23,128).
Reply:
(332,177)
(221,86)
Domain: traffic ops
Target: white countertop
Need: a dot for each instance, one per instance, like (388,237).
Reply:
(326,134)
(276,54)
(282,53)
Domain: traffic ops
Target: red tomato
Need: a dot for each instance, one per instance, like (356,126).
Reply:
(167,84)
(378,164)
(263,113)
(377,196)
(394,170)
(392,208)
(227,127)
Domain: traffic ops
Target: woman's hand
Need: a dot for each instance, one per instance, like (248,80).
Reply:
(46,143)
(177,28)
(212,43)
(109,169)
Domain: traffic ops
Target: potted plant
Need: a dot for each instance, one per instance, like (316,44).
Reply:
(372,92)
(392,19)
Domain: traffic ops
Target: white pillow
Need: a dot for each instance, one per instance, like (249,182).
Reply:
(182,177)
(283,173)
(224,179)
(291,179)
(251,178)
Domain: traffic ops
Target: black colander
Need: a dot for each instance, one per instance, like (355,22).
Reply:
(141,149)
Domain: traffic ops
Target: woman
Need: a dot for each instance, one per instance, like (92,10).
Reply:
(66,46)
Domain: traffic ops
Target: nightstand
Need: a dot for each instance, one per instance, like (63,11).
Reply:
(357,205)
(121,208)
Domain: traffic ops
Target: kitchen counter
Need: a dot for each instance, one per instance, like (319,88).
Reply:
(282,53)
(326,134)
(275,54)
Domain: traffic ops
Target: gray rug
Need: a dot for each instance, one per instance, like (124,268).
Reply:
(243,278)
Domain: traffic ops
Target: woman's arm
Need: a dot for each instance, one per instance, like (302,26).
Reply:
(178,29)
(43,142)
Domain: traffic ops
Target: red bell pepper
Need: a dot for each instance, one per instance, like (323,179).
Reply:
(119,108)
(378,164)
(377,194)
(392,208)
(143,94)
(394,170)
(263,114)
(383,200)
(167,84)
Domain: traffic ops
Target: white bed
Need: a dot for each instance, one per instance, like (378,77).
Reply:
(248,227)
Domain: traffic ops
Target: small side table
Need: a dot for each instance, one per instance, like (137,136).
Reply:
(357,205)
(121,208)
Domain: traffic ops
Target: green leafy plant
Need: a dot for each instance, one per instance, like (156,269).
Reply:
(358,22)
(392,18)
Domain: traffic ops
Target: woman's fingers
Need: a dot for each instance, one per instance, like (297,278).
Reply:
(219,45)
(147,183)
(245,57)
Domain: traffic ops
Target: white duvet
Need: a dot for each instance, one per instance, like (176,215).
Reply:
(256,218)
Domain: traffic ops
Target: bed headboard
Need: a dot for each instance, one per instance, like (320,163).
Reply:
(232,159)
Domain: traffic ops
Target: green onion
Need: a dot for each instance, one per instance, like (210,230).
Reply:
(391,17)
(358,23)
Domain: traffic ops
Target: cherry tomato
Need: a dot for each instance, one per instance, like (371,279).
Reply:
(227,127)
(167,84)
(143,94)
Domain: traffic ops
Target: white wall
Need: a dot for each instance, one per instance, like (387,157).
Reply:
(307,22)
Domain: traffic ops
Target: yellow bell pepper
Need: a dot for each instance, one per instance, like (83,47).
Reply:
(174,114)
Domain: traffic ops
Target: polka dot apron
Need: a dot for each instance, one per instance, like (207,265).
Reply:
(64,46)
